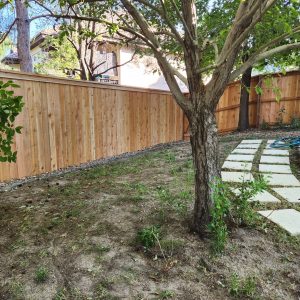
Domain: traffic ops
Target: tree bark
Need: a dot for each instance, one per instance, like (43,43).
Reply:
(244,100)
(23,40)
(204,141)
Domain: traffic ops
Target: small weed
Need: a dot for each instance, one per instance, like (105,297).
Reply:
(179,202)
(17,244)
(72,213)
(242,288)
(61,295)
(55,221)
(280,115)
(164,194)
(190,177)
(264,125)
(170,156)
(100,249)
(16,288)
(41,274)
(43,253)
(148,236)
(171,247)
(188,164)
(174,171)
(138,188)
(166,294)
(102,290)
(295,122)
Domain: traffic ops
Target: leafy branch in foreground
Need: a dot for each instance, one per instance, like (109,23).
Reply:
(10,107)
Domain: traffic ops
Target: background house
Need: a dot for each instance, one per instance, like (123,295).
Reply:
(135,71)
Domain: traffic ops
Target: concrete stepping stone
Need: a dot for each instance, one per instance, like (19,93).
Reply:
(288,219)
(263,197)
(275,160)
(248,146)
(284,169)
(236,176)
(251,141)
(276,152)
(281,179)
(244,151)
(237,165)
(290,194)
(237,157)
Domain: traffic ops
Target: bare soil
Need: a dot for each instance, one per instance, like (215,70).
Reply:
(81,229)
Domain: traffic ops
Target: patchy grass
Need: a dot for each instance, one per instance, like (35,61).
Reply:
(121,231)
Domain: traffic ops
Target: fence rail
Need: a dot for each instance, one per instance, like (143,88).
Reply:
(67,122)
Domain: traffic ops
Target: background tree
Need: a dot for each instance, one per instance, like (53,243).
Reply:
(84,36)
(59,58)
(23,38)
(18,15)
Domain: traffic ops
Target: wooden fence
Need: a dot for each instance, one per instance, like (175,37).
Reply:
(262,108)
(67,122)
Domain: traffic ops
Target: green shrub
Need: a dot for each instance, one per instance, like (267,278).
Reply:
(226,211)
(149,236)
(219,213)
(241,211)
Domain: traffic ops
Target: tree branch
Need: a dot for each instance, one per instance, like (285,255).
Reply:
(162,61)
(164,15)
(258,57)
(7,32)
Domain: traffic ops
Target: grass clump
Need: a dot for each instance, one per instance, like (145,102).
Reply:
(166,294)
(148,236)
(243,288)
(41,274)
(178,202)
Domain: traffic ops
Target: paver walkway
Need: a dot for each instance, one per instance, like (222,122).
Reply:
(274,165)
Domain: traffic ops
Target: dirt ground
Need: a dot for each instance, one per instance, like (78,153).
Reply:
(74,236)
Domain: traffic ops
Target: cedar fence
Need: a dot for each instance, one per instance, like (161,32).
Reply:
(262,108)
(67,122)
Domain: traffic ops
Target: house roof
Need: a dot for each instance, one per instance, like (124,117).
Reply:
(41,36)
(11,59)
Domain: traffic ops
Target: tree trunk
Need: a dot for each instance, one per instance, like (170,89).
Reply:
(244,100)
(204,141)
(23,42)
